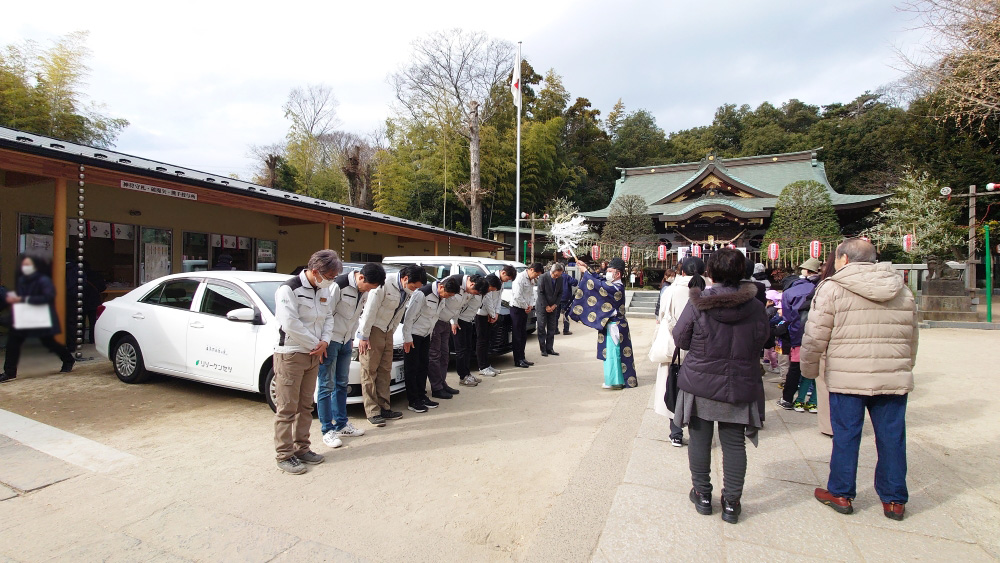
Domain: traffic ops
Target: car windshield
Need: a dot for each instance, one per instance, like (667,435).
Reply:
(265,290)
(494,268)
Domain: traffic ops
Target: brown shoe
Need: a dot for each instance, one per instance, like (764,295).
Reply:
(893,510)
(840,504)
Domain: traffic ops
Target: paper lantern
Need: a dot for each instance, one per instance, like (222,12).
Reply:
(661,252)
(772,251)
(814,249)
(595,252)
(626,252)
(696,250)
(908,243)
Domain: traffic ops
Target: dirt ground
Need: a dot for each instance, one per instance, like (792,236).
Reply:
(471,480)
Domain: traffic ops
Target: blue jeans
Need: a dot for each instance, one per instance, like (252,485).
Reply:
(847,416)
(331,402)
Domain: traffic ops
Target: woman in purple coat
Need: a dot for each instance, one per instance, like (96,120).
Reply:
(723,328)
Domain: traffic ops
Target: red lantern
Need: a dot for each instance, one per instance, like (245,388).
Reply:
(696,250)
(908,243)
(661,252)
(772,251)
(626,252)
(814,249)
(595,252)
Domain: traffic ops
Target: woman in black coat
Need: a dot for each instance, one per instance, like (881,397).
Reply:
(34,287)
(723,328)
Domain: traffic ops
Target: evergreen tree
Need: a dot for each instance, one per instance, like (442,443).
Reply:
(804,213)
(629,222)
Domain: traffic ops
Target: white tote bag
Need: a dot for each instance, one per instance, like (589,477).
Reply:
(27,316)
(662,347)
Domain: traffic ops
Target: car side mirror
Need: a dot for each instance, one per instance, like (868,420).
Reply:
(245,315)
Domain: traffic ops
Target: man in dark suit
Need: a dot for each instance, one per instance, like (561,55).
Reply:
(550,290)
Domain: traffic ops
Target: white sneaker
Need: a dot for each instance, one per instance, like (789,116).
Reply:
(350,430)
(476,377)
(469,381)
(332,440)
(494,370)
(488,372)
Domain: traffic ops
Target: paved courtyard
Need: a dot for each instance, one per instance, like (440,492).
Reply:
(537,464)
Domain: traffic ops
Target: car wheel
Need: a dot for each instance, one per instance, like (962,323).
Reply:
(127,360)
(270,394)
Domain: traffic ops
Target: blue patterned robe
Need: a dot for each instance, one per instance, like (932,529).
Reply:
(596,303)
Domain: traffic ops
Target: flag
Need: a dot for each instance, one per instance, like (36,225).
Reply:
(515,83)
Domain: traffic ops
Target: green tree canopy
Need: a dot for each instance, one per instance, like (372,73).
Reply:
(804,213)
(629,222)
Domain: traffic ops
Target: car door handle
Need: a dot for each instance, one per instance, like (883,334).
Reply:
(196,324)
(138,316)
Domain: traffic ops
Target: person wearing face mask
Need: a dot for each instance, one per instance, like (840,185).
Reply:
(522,304)
(304,313)
(600,304)
(383,313)
(33,287)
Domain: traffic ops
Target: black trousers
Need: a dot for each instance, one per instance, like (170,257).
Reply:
(91,319)
(465,346)
(564,313)
(484,335)
(792,380)
(519,331)
(15,341)
(415,369)
(734,456)
(548,326)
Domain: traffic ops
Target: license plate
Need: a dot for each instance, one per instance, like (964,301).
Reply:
(399,376)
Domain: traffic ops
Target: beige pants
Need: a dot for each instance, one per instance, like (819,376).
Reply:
(295,384)
(376,372)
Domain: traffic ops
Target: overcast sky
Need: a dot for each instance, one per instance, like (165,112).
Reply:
(200,81)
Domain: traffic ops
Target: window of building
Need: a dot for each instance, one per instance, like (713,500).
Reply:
(35,235)
(155,246)
(267,255)
(194,252)
(366,257)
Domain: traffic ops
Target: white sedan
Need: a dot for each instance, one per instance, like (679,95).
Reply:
(213,327)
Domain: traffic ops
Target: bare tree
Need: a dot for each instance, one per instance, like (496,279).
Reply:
(357,162)
(267,158)
(312,110)
(450,78)
(964,58)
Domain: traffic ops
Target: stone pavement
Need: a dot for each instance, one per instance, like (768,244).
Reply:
(953,457)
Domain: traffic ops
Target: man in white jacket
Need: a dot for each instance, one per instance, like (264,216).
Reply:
(383,313)
(304,313)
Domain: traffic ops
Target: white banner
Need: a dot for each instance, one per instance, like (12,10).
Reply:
(135,186)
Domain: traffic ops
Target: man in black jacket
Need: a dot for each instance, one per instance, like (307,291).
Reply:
(550,290)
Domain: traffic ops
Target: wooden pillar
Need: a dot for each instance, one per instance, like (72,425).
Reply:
(59,220)
(436,253)
(326,235)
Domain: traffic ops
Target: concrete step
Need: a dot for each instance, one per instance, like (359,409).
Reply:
(957,316)
(640,315)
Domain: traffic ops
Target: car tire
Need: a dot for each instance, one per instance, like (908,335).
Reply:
(126,357)
(269,394)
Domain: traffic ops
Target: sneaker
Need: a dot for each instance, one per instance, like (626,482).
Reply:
(391,415)
(350,430)
(494,370)
(812,408)
(310,457)
(442,394)
(567,333)
(799,407)
(4,378)
(487,372)
(331,439)
(731,511)
(376,420)
(469,381)
(450,389)
(292,465)
(702,503)
(476,377)
(418,408)
(677,442)
(784,404)
(431,404)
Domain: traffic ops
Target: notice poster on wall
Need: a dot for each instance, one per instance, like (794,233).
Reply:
(38,245)
(156,262)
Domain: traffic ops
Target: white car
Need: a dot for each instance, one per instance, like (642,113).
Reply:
(213,327)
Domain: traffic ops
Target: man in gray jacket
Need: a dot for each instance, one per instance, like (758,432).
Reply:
(863,322)
(383,313)
(550,289)
(303,311)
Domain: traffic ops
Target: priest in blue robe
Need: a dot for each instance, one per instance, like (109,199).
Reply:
(600,304)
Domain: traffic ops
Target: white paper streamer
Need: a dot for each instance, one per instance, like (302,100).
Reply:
(568,234)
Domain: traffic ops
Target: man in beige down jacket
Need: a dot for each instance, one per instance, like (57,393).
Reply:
(863,320)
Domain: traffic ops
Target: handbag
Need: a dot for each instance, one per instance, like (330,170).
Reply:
(659,350)
(670,395)
(27,316)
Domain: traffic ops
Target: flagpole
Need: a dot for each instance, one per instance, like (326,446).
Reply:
(517,185)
